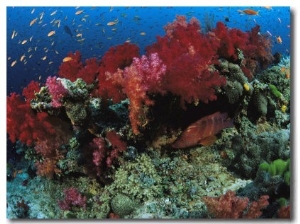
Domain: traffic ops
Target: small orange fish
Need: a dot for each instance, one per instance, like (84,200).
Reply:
(24,41)
(51,33)
(112,23)
(13,63)
(67,59)
(33,21)
(279,40)
(249,12)
(203,131)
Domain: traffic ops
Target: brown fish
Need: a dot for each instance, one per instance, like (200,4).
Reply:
(249,12)
(203,131)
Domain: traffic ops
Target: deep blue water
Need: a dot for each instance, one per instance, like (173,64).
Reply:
(139,25)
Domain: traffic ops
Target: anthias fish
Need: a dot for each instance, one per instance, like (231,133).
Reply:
(203,131)
(249,12)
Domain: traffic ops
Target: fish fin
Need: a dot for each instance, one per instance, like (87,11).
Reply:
(208,140)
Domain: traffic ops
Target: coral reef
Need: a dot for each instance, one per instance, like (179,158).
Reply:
(198,127)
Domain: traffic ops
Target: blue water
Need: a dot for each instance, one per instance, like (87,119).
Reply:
(139,25)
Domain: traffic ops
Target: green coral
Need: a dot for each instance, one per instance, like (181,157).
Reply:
(123,205)
(278,167)
(76,112)
(275,91)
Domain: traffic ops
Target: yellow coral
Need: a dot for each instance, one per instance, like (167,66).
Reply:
(283,108)
(246,87)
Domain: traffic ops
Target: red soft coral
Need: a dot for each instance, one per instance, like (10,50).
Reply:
(24,124)
(70,68)
(256,48)
(233,207)
(30,90)
(118,146)
(115,58)
(90,70)
(188,55)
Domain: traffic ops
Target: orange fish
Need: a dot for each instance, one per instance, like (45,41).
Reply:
(279,40)
(203,131)
(249,12)
(51,33)
(67,59)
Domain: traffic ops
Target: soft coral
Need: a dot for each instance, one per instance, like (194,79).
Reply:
(188,55)
(24,124)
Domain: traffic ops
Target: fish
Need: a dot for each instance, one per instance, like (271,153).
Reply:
(249,12)
(44,58)
(41,15)
(78,12)
(67,59)
(13,63)
(24,42)
(53,13)
(79,35)
(51,33)
(68,30)
(33,21)
(13,34)
(142,33)
(32,11)
(279,40)
(112,23)
(22,57)
(203,131)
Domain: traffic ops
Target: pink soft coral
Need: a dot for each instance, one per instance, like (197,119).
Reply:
(142,78)
(56,90)
(72,198)
(104,156)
